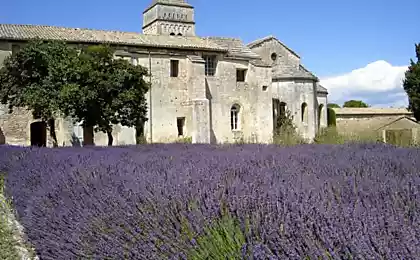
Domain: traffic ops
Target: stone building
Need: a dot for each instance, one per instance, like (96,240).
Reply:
(363,120)
(209,89)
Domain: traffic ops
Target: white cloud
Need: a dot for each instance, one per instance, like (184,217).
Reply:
(378,84)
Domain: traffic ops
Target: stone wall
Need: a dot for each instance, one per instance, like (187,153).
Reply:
(294,93)
(363,123)
(166,19)
(204,101)
(254,101)
(322,110)
(285,62)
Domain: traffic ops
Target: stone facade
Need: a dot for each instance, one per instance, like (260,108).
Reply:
(209,89)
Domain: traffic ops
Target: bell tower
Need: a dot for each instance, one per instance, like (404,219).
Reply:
(169,17)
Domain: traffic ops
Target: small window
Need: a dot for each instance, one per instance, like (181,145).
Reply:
(264,88)
(172,34)
(210,65)
(174,68)
(179,34)
(234,117)
(180,123)
(304,113)
(240,75)
(15,48)
(274,56)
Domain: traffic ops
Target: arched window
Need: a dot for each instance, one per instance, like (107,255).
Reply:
(304,113)
(179,34)
(234,117)
(320,115)
(172,34)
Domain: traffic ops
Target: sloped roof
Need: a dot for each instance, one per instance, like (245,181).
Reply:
(269,38)
(295,73)
(371,111)
(409,123)
(77,35)
(235,47)
(321,89)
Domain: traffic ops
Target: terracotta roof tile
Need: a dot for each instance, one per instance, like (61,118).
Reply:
(235,47)
(28,32)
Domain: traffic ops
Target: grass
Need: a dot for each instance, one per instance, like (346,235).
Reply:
(12,247)
(8,241)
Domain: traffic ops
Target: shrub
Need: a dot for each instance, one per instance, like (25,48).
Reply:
(8,242)
(170,201)
(285,132)
(330,135)
(331,117)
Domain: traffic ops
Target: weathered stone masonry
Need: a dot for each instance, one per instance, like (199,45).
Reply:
(211,89)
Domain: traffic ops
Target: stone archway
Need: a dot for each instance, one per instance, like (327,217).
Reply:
(38,134)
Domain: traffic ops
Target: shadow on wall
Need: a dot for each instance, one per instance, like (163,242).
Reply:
(209,97)
(2,137)
(75,141)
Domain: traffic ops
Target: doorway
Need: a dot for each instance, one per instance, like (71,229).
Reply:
(39,134)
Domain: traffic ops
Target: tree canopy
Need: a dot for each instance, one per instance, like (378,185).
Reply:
(33,77)
(411,84)
(90,86)
(333,105)
(109,91)
(355,103)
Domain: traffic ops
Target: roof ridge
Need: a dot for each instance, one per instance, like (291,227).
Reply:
(269,37)
(65,27)
(223,38)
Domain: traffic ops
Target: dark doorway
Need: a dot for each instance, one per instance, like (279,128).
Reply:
(279,111)
(2,137)
(39,134)
(180,123)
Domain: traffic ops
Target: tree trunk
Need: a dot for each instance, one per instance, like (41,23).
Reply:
(110,138)
(51,124)
(88,136)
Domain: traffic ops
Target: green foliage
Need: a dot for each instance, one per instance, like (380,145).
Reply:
(411,84)
(184,140)
(222,240)
(331,117)
(330,135)
(8,242)
(285,132)
(355,103)
(52,79)
(333,105)
(108,91)
(34,76)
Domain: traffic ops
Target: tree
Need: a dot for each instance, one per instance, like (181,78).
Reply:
(411,84)
(33,77)
(108,91)
(355,103)
(333,105)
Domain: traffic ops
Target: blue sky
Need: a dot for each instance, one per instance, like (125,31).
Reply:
(334,38)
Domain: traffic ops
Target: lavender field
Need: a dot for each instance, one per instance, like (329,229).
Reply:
(180,201)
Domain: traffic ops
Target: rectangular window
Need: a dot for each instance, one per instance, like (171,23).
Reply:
(174,68)
(240,75)
(180,123)
(210,65)
(15,48)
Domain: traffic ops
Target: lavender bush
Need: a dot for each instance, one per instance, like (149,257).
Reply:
(181,201)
